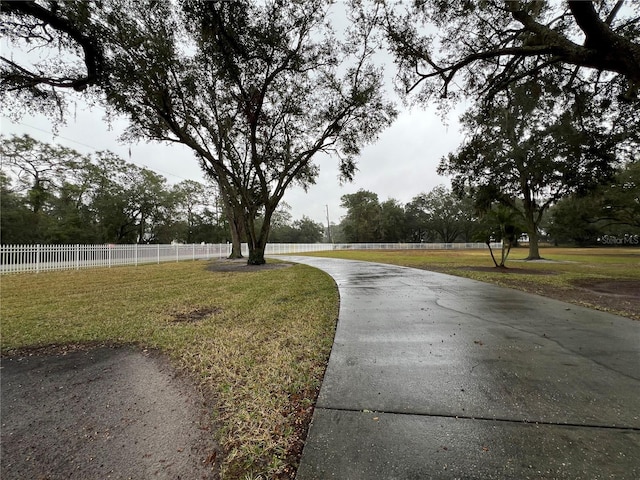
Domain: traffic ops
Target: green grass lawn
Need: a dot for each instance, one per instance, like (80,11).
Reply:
(260,347)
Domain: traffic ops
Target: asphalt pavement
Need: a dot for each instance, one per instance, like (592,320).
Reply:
(435,376)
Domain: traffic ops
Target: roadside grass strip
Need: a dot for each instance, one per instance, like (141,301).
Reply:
(257,342)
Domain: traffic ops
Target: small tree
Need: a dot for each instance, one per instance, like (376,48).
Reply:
(499,224)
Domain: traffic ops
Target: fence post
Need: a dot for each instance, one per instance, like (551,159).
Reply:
(109,250)
(158,253)
(77,256)
(135,254)
(193,252)
(38,258)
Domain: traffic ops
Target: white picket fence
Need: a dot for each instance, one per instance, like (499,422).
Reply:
(42,258)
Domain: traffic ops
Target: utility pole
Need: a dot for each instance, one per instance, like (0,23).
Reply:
(328,225)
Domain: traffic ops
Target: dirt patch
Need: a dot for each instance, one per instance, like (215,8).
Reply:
(621,297)
(59,350)
(193,314)
(620,288)
(104,413)
(509,270)
(240,265)
(616,296)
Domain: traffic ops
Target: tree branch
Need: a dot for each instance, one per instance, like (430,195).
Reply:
(92,52)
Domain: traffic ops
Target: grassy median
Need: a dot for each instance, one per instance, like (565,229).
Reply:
(258,341)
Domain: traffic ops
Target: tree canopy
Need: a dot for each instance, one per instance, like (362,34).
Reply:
(446,216)
(611,210)
(361,224)
(52,194)
(258,89)
(445,49)
(526,151)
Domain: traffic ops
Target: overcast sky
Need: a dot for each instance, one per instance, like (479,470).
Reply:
(400,164)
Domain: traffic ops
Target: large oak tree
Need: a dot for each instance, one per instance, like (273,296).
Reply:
(526,151)
(578,56)
(255,89)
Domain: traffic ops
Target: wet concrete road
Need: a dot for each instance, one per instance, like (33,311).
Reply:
(434,376)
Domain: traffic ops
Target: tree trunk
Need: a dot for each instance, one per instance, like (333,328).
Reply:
(234,216)
(491,252)
(503,254)
(532,231)
(257,243)
(256,255)
(534,249)
(506,249)
(236,239)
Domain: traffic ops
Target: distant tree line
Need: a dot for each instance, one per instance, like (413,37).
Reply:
(610,210)
(437,216)
(52,194)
